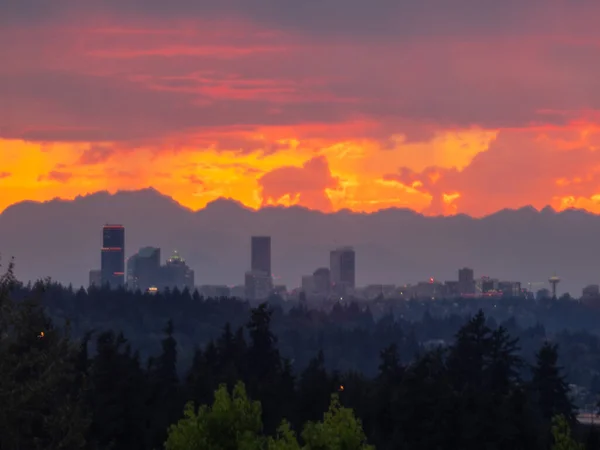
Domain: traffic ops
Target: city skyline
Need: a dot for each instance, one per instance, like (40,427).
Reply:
(394,246)
(145,272)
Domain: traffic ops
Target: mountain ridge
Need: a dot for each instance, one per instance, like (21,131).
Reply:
(62,239)
(104,194)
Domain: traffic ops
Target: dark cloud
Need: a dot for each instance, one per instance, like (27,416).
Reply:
(412,82)
(58,106)
(402,18)
(96,154)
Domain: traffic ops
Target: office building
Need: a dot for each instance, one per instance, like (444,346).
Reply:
(466,281)
(257,285)
(261,254)
(342,266)
(176,274)
(113,256)
(143,269)
(95,278)
(322,280)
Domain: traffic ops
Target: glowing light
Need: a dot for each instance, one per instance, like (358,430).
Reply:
(341,388)
(41,335)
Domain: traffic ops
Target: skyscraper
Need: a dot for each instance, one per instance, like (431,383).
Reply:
(342,263)
(261,254)
(143,269)
(113,256)
(466,281)
(177,274)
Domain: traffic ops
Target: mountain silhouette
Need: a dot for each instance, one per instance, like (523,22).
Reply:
(62,239)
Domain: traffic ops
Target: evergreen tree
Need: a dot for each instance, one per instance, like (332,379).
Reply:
(561,434)
(165,395)
(265,370)
(549,387)
(117,394)
(41,398)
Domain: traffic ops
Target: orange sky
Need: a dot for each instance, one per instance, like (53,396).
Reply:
(275,107)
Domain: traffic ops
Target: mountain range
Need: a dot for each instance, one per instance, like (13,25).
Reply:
(62,239)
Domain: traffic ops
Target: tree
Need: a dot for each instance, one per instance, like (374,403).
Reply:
(164,388)
(117,395)
(339,430)
(265,370)
(549,386)
(41,395)
(561,433)
(233,422)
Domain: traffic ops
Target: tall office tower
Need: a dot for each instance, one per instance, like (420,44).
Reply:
(466,281)
(113,256)
(143,269)
(177,274)
(322,280)
(261,254)
(342,265)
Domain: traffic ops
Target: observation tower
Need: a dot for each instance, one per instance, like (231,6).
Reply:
(553,280)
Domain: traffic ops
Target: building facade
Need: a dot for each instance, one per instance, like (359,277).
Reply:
(95,278)
(176,274)
(261,254)
(466,281)
(113,256)
(143,269)
(342,266)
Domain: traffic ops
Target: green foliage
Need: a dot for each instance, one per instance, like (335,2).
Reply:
(285,439)
(561,433)
(339,430)
(232,422)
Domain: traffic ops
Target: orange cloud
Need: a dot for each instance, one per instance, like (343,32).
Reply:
(55,175)
(530,167)
(304,185)
(345,107)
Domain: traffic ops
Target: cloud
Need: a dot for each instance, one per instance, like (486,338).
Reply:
(236,90)
(4,175)
(401,18)
(304,185)
(96,154)
(519,168)
(54,175)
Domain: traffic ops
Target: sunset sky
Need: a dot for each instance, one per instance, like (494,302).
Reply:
(442,106)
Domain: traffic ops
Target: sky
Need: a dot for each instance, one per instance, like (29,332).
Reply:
(444,107)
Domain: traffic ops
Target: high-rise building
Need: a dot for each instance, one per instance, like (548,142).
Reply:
(143,269)
(261,254)
(466,281)
(177,274)
(322,280)
(257,285)
(113,256)
(342,264)
(95,278)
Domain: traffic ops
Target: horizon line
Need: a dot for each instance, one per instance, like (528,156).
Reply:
(279,206)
